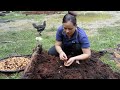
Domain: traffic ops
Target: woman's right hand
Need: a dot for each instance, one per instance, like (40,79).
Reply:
(63,56)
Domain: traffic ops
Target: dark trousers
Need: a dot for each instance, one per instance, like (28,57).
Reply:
(74,50)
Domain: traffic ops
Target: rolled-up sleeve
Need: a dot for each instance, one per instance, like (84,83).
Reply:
(85,42)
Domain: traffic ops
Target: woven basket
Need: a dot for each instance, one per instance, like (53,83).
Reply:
(14,71)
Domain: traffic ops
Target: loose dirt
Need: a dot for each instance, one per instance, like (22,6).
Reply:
(44,66)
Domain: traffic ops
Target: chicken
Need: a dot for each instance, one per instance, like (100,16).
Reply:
(40,28)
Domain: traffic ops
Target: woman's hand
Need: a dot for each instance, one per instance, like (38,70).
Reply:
(63,56)
(70,61)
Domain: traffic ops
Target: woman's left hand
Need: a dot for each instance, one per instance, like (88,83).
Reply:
(69,62)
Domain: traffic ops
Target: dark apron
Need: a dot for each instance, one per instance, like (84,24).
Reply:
(73,50)
(74,47)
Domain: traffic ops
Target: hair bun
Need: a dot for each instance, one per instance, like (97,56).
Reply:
(72,13)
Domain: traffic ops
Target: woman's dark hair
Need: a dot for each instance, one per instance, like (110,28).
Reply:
(70,16)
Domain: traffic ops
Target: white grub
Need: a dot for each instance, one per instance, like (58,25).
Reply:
(39,38)
(61,66)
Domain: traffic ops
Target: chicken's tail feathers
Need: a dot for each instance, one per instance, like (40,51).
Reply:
(44,23)
(34,25)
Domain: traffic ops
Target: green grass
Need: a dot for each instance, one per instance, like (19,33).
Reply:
(91,17)
(10,76)
(18,15)
(87,18)
(107,37)
(106,59)
(22,42)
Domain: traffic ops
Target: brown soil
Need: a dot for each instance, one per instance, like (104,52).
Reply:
(44,66)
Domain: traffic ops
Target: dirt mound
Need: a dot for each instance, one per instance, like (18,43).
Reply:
(44,66)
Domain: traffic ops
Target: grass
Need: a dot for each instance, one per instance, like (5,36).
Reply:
(10,76)
(87,18)
(23,41)
(106,59)
(90,17)
(107,38)
(18,16)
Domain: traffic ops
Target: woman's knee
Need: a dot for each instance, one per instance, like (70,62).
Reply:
(52,51)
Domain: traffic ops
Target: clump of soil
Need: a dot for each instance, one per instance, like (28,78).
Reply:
(44,66)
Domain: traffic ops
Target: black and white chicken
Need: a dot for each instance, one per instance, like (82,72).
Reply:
(40,28)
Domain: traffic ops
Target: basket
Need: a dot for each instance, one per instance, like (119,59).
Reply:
(17,70)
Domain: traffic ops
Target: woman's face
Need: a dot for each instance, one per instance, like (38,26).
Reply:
(69,28)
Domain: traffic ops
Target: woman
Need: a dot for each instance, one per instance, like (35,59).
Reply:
(71,40)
